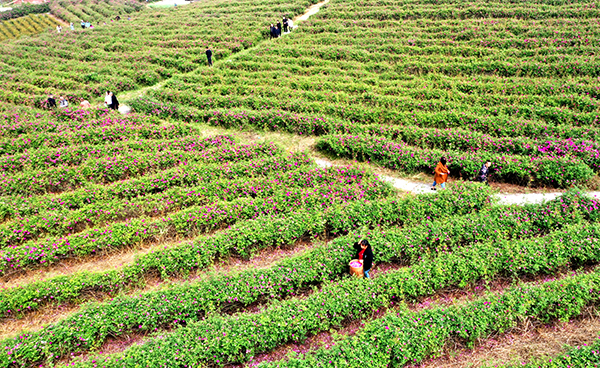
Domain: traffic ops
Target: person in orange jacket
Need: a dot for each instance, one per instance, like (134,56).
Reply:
(441,174)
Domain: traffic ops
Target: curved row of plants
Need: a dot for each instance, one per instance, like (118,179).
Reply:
(246,237)
(554,171)
(233,339)
(57,221)
(184,223)
(288,275)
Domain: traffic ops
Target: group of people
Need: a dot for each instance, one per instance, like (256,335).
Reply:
(84,25)
(442,172)
(276,29)
(51,102)
(110,101)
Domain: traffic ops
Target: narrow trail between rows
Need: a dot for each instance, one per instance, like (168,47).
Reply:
(125,96)
(420,188)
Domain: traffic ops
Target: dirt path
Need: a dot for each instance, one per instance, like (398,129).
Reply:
(125,96)
(419,188)
(312,10)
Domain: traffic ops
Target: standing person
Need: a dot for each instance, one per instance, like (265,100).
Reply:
(108,100)
(115,102)
(82,25)
(58,28)
(273,31)
(278,29)
(290,25)
(209,56)
(364,254)
(482,176)
(72,26)
(51,102)
(285,25)
(441,174)
(63,102)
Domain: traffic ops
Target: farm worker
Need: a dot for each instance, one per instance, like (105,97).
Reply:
(441,174)
(85,104)
(82,25)
(72,26)
(63,102)
(114,101)
(209,56)
(108,100)
(285,24)
(88,24)
(364,253)
(51,102)
(290,24)
(483,173)
(58,28)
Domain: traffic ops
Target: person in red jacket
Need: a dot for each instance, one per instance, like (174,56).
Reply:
(441,174)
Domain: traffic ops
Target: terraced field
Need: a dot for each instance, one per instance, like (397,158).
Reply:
(198,232)
(29,25)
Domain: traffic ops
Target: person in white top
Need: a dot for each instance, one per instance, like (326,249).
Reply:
(290,24)
(63,102)
(108,100)
(58,28)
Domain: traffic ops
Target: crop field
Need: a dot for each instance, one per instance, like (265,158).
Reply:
(203,229)
(27,25)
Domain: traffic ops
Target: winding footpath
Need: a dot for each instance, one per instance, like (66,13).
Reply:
(125,96)
(503,198)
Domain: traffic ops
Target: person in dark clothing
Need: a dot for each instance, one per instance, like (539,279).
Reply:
(50,102)
(278,29)
(209,56)
(285,24)
(115,102)
(82,25)
(482,176)
(273,32)
(364,252)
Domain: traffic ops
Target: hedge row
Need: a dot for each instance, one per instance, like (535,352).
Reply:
(193,174)
(43,158)
(186,303)
(554,171)
(94,135)
(404,337)
(110,169)
(184,223)
(219,340)
(61,221)
(247,237)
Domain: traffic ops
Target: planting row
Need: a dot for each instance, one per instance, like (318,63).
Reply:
(56,222)
(548,170)
(94,136)
(246,237)
(190,175)
(108,169)
(43,158)
(187,303)
(184,223)
(404,337)
(233,339)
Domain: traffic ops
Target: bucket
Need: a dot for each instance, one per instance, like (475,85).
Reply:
(356,268)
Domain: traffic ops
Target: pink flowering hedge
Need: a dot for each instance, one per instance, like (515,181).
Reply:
(219,340)
(181,305)
(555,171)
